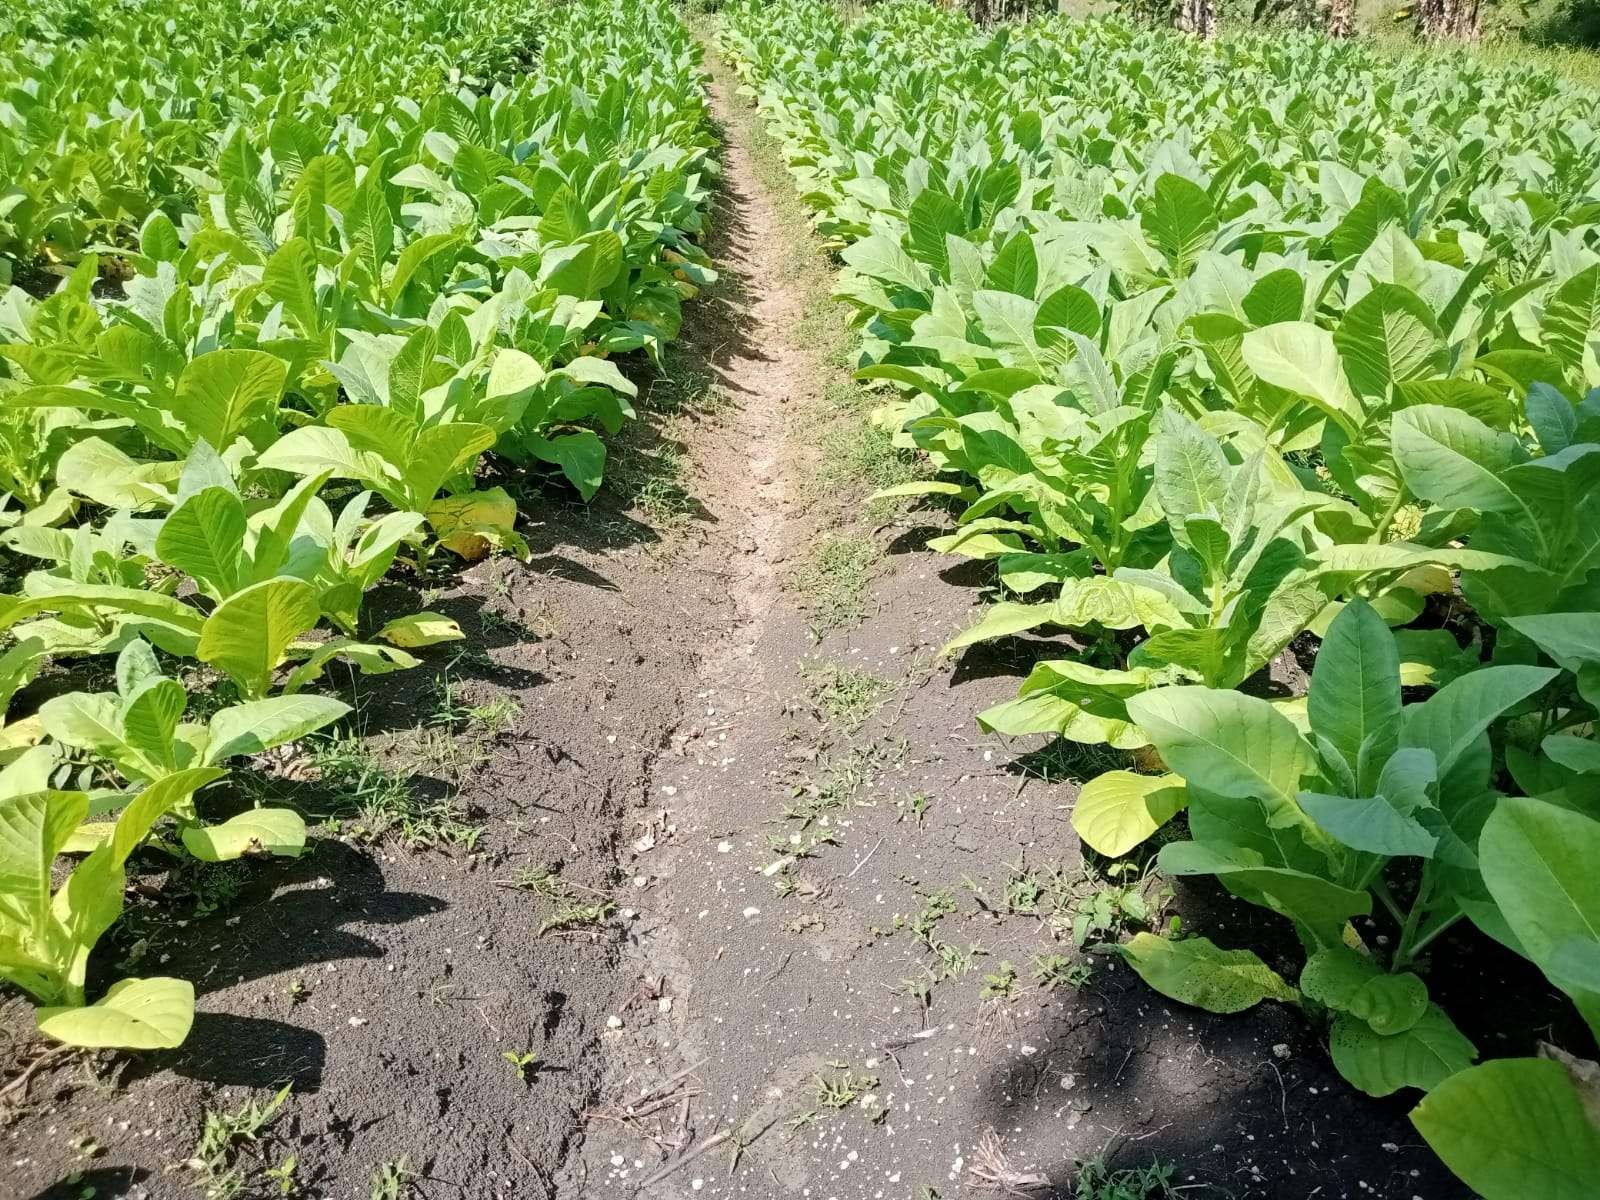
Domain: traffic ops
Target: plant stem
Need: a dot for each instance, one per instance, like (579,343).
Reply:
(1382,535)
(1428,936)
(1381,889)
(1407,950)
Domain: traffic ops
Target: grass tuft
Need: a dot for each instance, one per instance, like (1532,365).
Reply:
(833,583)
(843,695)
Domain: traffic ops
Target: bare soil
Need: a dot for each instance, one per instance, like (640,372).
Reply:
(740,1024)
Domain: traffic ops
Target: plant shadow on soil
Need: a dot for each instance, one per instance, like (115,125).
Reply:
(95,1181)
(1138,1079)
(298,912)
(1219,1096)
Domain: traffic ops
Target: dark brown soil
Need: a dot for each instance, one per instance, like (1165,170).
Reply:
(669,714)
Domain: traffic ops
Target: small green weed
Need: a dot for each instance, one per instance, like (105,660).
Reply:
(833,582)
(656,483)
(1001,985)
(572,911)
(380,802)
(843,1087)
(914,807)
(852,452)
(219,1172)
(1051,971)
(1096,1180)
(1109,911)
(524,1062)
(283,1176)
(843,695)
(392,1180)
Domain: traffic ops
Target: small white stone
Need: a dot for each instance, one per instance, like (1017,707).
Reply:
(613,1022)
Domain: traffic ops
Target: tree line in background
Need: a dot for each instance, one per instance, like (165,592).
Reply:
(1547,22)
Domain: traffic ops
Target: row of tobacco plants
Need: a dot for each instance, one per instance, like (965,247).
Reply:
(292,291)
(1225,352)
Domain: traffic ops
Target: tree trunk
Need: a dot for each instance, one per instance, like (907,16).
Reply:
(1461,20)
(1341,18)
(1198,17)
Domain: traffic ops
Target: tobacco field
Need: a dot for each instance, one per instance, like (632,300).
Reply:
(1215,420)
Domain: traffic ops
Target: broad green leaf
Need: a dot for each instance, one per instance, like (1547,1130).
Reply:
(1114,604)
(134,1014)
(1236,745)
(1450,720)
(1301,357)
(442,452)
(1318,904)
(1015,268)
(581,457)
(276,831)
(1069,308)
(1424,1056)
(1276,297)
(879,257)
(421,629)
(1118,810)
(1571,638)
(1380,823)
(1355,685)
(1002,620)
(1198,972)
(371,658)
(1389,337)
(1007,320)
(155,801)
(1179,221)
(1552,417)
(584,271)
(1572,316)
(150,715)
(1348,982)
(89,721)
(227,393)
(1454,460)
(204,538)
(33,829)
(1191,473)
(247,634)
(602,371)
(97,470)
(931,216)
(314,449)
(1538,862)
(1574,753)
(259,725)
(290,277)
(1513,1129)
